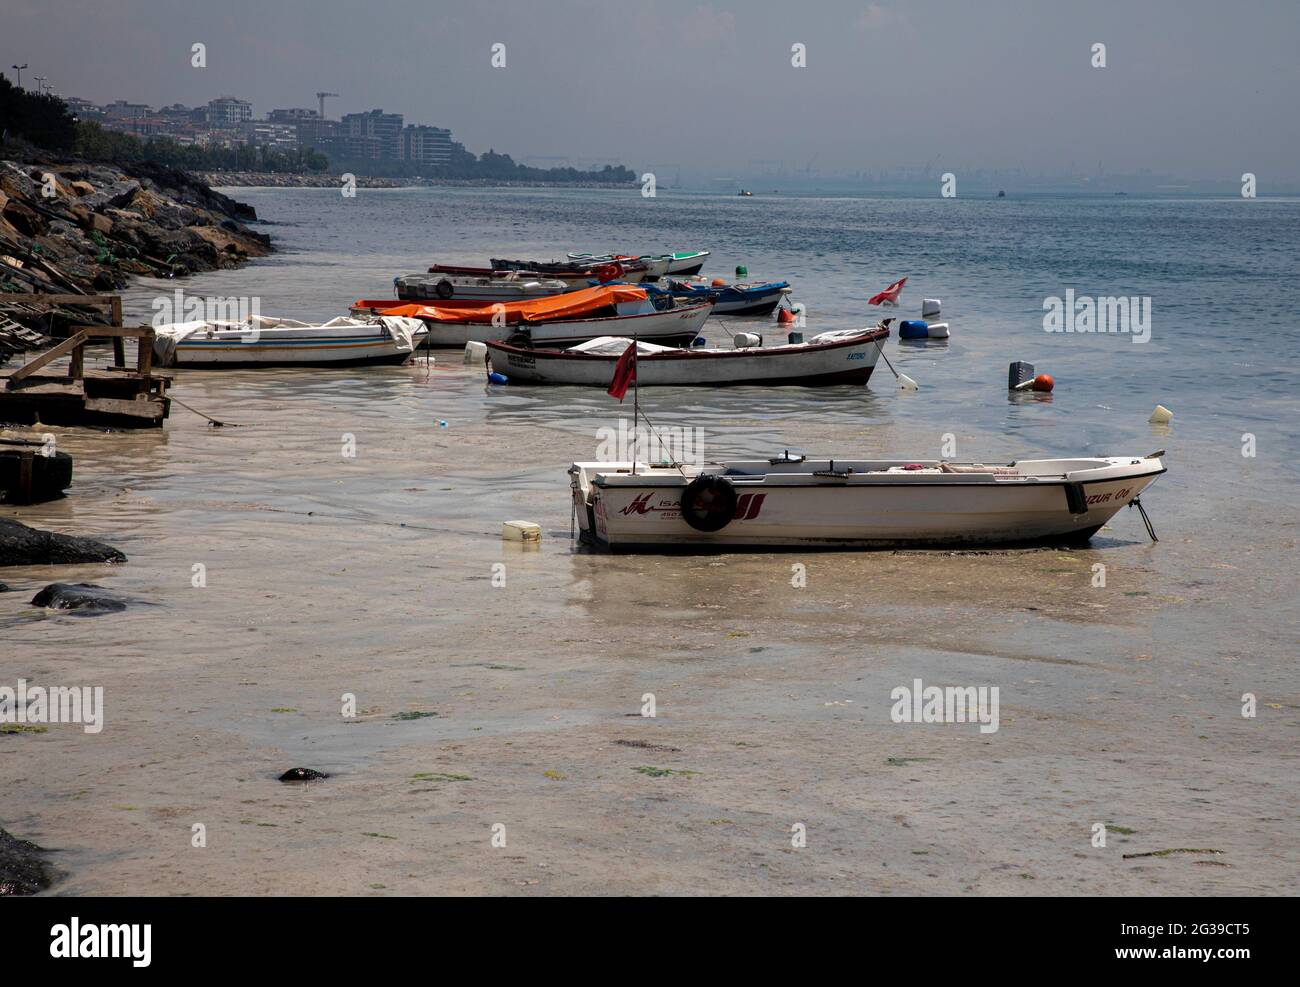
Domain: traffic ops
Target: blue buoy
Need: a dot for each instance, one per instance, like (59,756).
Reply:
(442,423)
(913,329)
(698,341)
(496,378)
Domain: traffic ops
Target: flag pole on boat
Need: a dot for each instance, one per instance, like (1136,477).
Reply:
(636,398)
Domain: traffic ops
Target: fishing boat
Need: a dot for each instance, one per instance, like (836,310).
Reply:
(833,503)
(577,273)
(683,263)
(839,357)
(512,286)
(264,341)
(557,321)
(739,298)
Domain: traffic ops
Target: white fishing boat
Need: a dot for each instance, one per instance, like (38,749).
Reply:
(512,286)
(792,501)
(265,341)
(841,357)
(682,262)
(557,321)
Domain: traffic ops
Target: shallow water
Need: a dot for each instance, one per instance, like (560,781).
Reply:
(373,576)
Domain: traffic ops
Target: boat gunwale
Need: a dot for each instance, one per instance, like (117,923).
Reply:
(785,349)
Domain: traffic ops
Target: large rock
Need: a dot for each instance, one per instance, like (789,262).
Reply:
(21,545)
(85,597)
(115,195)
(23,868)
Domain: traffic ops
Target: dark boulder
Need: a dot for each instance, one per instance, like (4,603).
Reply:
(21,545)
(303,774)
(85,597)
(23,868)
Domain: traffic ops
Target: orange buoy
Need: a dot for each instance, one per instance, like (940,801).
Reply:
(1043,382)
(719,282)
(785,316)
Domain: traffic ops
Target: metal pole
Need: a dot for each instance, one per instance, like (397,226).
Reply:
(19,69)
(636,399)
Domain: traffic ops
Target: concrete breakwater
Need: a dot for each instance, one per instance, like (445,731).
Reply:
(74,228)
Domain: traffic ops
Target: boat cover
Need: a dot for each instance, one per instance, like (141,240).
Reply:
(617,346)
(556,308)
(402,330)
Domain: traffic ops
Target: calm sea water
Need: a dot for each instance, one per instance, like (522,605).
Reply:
(1221,275)
(371,576)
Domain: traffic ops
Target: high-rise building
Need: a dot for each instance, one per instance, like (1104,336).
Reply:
(376,135)
(294,115)
(426,145)
(226,111)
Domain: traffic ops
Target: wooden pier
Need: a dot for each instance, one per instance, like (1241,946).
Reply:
(119,396)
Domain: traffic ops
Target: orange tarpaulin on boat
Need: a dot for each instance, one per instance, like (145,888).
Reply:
(553,308)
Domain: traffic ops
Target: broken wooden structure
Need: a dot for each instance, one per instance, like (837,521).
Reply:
(119,396)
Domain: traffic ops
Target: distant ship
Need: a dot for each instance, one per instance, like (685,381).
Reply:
(745,192)
(1001,194)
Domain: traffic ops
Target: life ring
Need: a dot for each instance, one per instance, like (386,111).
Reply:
(444,289)
(708,503)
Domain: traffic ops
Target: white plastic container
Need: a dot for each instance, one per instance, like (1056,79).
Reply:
(475,352)
(1161,416)
(521,531)
(937,330)
(744,340)
(929,307)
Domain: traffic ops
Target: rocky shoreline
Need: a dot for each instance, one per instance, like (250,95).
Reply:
(78,228)
(250,179)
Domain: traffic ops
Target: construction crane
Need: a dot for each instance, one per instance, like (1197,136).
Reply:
(321,97)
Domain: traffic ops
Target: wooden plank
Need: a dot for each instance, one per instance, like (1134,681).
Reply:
(144,354)
(49,356)
(28,297)
(127,332)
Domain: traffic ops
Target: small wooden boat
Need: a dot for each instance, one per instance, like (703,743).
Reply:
(557,321)
(264,341)
(512,286)
(842,357)
(577,273)
(681,263)
(739,298)
(792,501)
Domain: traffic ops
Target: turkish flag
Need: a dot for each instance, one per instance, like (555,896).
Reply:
(624,373)
(890,294)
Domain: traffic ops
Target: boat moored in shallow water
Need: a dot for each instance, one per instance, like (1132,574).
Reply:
(792,501)
(511,286)
(557,321)
(265,341)
(839,357)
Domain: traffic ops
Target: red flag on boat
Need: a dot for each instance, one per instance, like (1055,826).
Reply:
(890,294)
(624,373)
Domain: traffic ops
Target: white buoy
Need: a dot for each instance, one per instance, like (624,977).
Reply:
(929,307)
(937,330)
(744,340)
(521,531)
(475,352)
(1161,416)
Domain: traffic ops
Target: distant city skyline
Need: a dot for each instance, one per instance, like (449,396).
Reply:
(1195,90)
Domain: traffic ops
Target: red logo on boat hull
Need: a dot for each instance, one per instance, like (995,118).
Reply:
(747,506)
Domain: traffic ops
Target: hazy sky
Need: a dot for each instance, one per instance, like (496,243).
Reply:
(1196,89)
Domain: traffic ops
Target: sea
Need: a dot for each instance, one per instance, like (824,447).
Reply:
(340,537)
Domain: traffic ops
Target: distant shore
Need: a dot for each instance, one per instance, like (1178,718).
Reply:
(265,179)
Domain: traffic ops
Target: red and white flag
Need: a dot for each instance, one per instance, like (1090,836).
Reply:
(624,373)
(890,294)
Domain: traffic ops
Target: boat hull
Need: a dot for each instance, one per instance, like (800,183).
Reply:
(297,347)
(797,509)
(674,327)
(808,364)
